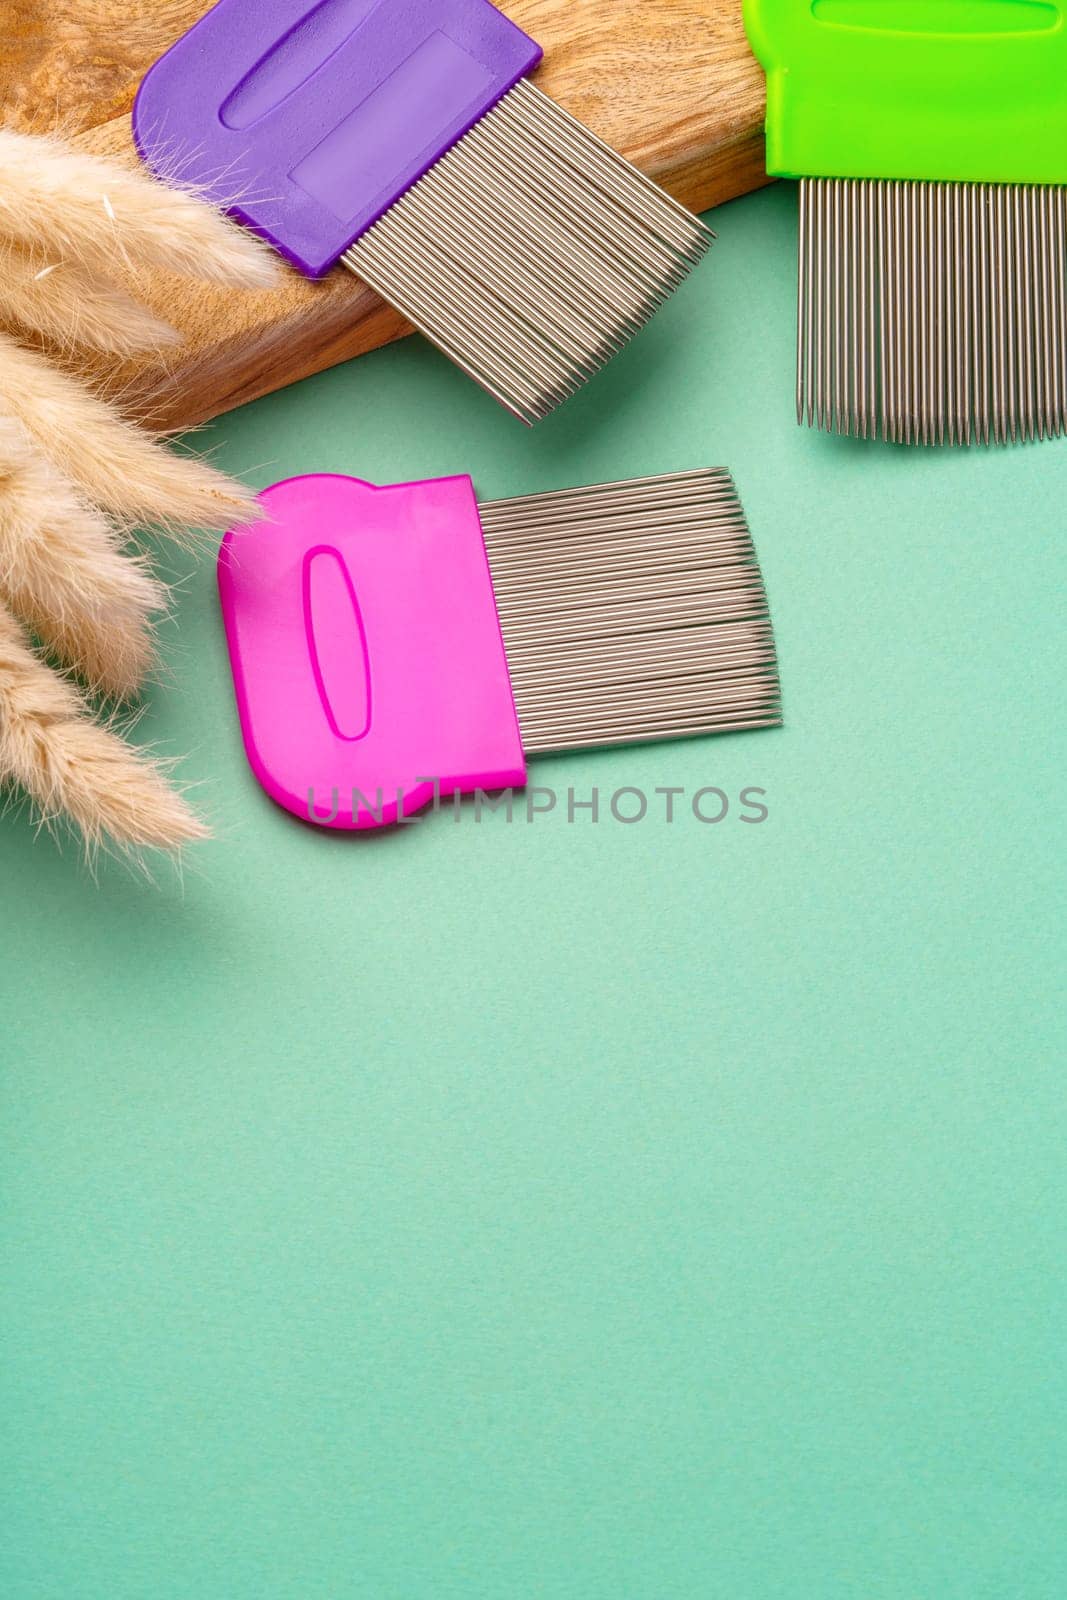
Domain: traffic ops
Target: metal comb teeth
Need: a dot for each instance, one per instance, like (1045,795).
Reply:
(932,313)
(530,253)
(632,611)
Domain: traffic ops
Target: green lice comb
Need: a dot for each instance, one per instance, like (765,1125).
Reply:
(930,140)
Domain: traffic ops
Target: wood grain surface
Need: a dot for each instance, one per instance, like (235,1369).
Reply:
(670,83)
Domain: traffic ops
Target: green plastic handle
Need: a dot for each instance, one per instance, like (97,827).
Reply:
(953,90)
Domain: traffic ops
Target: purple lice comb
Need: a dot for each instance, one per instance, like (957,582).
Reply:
(389,645)
(402,138)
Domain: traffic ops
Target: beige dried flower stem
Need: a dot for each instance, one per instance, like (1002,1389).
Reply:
(72,466)
(61,302)
(114,464)
(95,210)
(68,764)
(63,573)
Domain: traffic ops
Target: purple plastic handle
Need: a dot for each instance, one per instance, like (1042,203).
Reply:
(367,658)
(308,121)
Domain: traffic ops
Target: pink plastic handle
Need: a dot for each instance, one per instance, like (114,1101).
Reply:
(367,658)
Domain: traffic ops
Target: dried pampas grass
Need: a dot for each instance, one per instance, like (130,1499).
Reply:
(93,211)
(70,766)
(76,475)
(63,572)
(121,467)
(73,309)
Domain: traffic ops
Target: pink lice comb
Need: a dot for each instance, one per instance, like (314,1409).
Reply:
(402,138)
(391,646)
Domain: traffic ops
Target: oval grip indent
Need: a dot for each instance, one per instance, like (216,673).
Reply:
(337,643)
(294,59)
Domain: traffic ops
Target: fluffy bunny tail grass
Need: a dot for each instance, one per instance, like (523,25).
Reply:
(62,573)
(97,210)
(72,767)
(74,309)
(115,464)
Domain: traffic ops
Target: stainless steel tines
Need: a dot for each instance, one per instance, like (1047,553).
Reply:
(932,313)
(530,253)
(632,611)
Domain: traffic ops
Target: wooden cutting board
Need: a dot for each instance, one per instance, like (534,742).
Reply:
(670,83)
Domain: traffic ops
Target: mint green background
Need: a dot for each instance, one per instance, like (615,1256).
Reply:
(576,1212)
